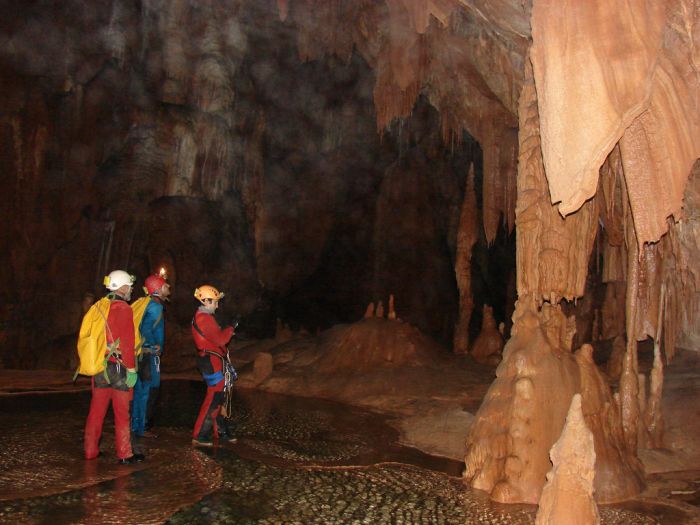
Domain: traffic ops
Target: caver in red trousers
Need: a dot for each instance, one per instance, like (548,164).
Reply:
(101,398)
(113,388)
(209,422)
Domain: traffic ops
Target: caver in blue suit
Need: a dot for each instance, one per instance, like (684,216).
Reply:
(153,335)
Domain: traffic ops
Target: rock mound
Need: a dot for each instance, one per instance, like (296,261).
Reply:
(374,342)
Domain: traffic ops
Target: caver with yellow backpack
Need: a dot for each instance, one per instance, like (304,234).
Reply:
(113,341)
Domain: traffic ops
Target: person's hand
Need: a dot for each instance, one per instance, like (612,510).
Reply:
(131,377)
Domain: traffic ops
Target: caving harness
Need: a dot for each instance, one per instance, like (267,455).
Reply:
(227,373)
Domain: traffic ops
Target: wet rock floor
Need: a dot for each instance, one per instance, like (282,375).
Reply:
(297,461)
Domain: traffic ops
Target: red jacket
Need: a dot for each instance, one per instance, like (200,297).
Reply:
(121,326)
(215,339)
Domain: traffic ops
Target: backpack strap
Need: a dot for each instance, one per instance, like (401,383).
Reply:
(199,331)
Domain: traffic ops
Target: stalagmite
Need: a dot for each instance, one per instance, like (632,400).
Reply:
(487,347)
(466,237)
(567,498)
(629,384)
(619,474)
(617,356)
(653,417)
(519,420)
(369,312)
(392,310)
(642,435)
(380,310)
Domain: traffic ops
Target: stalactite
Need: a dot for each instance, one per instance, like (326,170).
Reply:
(617,356)
(212,90)
(175,64)
(251,178)
(500,168)
(283,8)
(466,238)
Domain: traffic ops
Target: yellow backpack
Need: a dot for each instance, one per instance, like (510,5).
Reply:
(92,344)
(139,308)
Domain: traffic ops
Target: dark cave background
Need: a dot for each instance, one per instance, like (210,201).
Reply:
(218,153)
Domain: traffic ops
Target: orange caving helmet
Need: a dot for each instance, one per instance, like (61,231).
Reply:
(207,292)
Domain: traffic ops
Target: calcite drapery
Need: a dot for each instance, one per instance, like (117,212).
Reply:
(637,86)
(604,80)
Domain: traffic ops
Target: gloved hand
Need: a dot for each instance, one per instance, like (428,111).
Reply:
(131,377)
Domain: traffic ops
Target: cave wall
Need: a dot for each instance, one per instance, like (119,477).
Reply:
(204,138)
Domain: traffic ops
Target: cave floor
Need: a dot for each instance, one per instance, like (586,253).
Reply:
(297,461)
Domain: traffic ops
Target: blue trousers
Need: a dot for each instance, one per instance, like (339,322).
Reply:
(141,392)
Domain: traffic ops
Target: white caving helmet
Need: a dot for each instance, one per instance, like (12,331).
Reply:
(117,279)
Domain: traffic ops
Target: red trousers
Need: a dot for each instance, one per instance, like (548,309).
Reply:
(98,409)
(206,426)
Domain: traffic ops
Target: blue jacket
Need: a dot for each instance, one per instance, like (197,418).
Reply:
(152,326)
